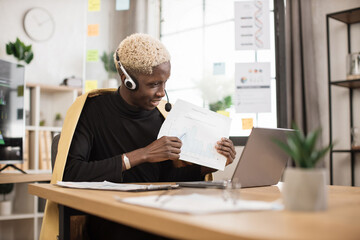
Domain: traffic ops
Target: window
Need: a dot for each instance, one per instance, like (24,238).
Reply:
(200,35)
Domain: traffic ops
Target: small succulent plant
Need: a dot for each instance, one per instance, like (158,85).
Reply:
(302,149)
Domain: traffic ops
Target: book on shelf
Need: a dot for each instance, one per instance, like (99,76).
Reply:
(45,149)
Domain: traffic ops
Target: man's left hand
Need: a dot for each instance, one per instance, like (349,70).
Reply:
(226,147)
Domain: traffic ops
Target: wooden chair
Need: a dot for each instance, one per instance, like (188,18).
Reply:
(78,220)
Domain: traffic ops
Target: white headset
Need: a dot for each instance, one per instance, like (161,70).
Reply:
(132,84)
(129,82)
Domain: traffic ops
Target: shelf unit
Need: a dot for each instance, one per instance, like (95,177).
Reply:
(347,17)
(45,101)
(27,209)
(42,103)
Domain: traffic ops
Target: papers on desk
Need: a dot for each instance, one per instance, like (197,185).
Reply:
(199,204)
(105,185)
(199,129)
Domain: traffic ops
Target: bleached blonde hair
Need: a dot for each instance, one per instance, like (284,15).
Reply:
(139,53)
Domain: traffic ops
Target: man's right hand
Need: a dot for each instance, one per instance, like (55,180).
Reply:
(164,148)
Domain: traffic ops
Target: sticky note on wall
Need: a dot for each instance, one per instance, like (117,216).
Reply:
(90,85)
(247,123)
(94,5)
(92,55)
(122,5)
(225,113)
(93,30)
(219,68)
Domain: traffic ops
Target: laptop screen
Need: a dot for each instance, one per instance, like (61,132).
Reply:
(262,161)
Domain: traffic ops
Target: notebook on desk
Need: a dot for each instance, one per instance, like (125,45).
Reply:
(261,163)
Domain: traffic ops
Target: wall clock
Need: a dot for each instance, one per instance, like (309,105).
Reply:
(39,25)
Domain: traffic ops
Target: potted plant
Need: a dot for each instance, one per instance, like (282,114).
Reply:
(216,91)
(221,104)
(5,205)
(20,51)
(58,120)
(305,185)
(110,68)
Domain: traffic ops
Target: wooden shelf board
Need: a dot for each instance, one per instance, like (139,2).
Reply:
(43,128)
(30,128)
(51,129)
(22,178)
(346,150)
(15,216)
(349,16)
(53,88)
(347,83)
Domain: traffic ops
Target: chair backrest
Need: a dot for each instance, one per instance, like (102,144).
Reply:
(78,219)
(54,149)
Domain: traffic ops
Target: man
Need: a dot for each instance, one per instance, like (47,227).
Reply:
(115,138)
(116,135)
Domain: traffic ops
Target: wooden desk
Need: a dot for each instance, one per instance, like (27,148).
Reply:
(22,178)
(340,221)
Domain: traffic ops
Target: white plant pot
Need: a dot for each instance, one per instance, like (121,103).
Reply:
(305,189)
(5,208)
(58,123)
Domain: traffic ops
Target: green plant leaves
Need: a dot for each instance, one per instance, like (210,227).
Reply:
(109,64)
(9,48)
(302,149)
(20,51)
(28,57)
(221,105)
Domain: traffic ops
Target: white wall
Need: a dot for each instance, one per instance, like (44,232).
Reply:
(102,43)
(340,98)
(143,16)
(57,58)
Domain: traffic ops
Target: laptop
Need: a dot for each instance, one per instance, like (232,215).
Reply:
(261,163)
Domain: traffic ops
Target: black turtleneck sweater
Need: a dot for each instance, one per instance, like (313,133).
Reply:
(109,127)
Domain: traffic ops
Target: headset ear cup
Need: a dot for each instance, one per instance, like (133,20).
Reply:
(130,84)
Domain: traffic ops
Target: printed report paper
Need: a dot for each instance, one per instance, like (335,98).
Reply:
(199,204)
(105,185)
(199,129)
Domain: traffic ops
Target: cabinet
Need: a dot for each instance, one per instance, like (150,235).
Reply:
(346,19)
(27,210)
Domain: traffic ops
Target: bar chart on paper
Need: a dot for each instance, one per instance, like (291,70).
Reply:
(199,129)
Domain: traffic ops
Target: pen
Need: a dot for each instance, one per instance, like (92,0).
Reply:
(182,135)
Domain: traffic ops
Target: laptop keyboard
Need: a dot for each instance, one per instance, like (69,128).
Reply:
(203,184)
